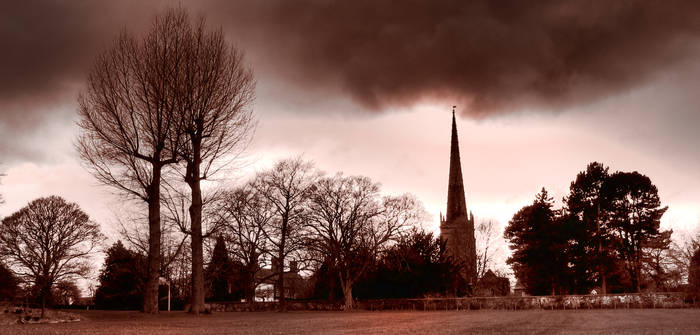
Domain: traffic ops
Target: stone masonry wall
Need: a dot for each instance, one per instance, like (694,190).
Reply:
(609,301)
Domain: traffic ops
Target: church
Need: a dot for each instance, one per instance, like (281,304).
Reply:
(457,226)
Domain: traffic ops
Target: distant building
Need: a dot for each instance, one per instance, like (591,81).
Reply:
(492,285)
(456,227)
(269,290)
(519,289)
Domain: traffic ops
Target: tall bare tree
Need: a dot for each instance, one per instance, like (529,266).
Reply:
(177,202)
(680,255)
(245,214)
(130,130)
(352,224)
(173,242)
(48,241)
(485,236)
(213,104)
(287,186)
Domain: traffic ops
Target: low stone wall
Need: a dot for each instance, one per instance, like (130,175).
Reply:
(273,306)
(611,301)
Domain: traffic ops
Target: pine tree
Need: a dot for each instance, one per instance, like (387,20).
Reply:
(539,243)
(220,273)
(122,279)
(635,214)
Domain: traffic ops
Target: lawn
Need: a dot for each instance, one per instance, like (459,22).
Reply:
(632,321)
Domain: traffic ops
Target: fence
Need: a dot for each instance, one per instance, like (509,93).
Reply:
(612,301)
(600,301)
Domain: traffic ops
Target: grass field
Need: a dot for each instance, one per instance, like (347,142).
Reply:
(631,321)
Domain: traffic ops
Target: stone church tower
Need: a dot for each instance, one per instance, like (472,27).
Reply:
(457,226)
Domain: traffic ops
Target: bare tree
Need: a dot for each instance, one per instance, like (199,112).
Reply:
(173,242)
(66,293)
(48,241)
(287,187)
(213,105)
(177,202)
(245,215)
(130,130)
(680,255)
(488,243)
(351,224)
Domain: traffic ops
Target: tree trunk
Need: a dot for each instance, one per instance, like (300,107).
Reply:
(45,290)
(637,272)
(150,298)
(280,266)
(250,292)
(249,289)
(601,270)
(603,286)
(193,176)
(347,292)
(280,285)
(331,289)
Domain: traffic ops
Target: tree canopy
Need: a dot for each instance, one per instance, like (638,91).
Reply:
(607,235)
(47,241)
(122,279)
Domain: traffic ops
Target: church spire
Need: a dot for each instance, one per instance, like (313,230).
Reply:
(456,203)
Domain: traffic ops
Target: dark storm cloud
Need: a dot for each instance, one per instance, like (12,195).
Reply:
(47,46)
(46,49)
(495,55)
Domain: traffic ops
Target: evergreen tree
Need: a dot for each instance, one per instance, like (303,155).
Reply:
(590,245)
(8,283)
(122,279)
(635,219)
(414,267)
(538,238)
(223,275)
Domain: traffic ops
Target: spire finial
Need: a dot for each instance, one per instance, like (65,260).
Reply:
(453,110)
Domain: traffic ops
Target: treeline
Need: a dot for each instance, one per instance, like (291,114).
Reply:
(291,223)
(606,237)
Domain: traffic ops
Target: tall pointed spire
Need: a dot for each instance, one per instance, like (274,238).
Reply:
(456,203)
(457,227)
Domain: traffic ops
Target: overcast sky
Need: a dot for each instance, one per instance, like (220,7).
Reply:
(366,87)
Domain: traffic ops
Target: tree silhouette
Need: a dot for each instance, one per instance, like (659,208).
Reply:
(213,99)
(65,293)
(636,212)
(8,283)
(350,225)
(130,128)
(607,234)
(47,241)
(122,279)
(222,272)
(245,213)
(539,242)
(591,255)
(414,267)
(694,274)
(287,187)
